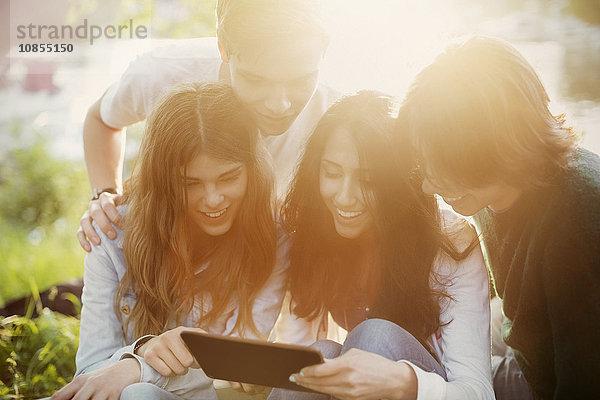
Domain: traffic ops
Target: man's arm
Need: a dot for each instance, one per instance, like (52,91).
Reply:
(104,150)
(130,100)
(104,153)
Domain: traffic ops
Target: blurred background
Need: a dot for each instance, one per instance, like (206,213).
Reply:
(377,44)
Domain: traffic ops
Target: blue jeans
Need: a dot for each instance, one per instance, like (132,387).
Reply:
(509,382)
(148,391)
(141,391)
(376,336)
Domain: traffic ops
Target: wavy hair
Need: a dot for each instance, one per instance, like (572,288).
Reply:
(480,113)
(195,118)
(324,266)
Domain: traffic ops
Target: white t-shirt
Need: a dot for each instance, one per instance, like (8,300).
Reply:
(150,76)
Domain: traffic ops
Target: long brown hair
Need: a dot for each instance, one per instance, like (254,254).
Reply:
(324,266)
(195,118)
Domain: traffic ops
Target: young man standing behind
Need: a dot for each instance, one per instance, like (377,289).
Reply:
(270,51)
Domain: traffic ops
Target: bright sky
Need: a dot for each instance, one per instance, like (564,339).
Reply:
(381,44)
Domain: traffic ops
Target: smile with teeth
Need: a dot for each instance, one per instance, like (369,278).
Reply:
(348,214)
(215,214)
(452,199)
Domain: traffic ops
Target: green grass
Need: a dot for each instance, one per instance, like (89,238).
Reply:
(45,257)
(41,201)
(37,356)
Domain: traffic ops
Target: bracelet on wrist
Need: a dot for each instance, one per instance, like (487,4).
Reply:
(97,192)
(141,342)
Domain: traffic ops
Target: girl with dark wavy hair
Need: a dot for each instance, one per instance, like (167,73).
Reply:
(199,250)
(370,249)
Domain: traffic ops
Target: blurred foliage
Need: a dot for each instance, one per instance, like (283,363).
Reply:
(165,19)
(37,356)
(50,256)
(175,19)
(36,189)
(586,10)
(41,199)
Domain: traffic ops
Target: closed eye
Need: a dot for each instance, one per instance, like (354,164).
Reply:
(331,174)
(330,169)
(231,178)
(192,182)
(364,178)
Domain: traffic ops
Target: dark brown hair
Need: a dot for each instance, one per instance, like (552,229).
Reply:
(324,265)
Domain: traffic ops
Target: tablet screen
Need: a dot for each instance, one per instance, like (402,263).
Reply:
(250,361)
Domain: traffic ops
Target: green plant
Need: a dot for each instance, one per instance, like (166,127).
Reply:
(35,188)
(37,356)
(175,19)
(41,200)
(46,256)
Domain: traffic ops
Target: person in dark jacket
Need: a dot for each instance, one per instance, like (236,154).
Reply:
(490,147)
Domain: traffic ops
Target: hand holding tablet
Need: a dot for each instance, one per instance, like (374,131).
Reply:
(250,361)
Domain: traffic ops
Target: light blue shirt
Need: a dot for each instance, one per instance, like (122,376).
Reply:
(102,340)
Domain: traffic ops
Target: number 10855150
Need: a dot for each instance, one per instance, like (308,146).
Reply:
(45,48)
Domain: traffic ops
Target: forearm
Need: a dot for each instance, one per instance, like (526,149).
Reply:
(84,367)
(464,342)
(101,336)
(403,382)
(103,149)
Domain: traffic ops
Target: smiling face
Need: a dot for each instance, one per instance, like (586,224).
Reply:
(341,179)
(215,191)
(276,82)
(496,196)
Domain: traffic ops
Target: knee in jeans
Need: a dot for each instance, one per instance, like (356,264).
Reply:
(377,336)
(138,391)
(328,348)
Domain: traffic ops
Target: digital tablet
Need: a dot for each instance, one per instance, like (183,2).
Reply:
(250,361)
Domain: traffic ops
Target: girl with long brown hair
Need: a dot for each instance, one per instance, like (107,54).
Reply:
(199,249)
(368,247)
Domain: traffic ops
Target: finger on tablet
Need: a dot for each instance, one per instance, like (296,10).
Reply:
(236,386)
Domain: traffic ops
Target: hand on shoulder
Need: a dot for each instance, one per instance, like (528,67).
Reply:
(103,211)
